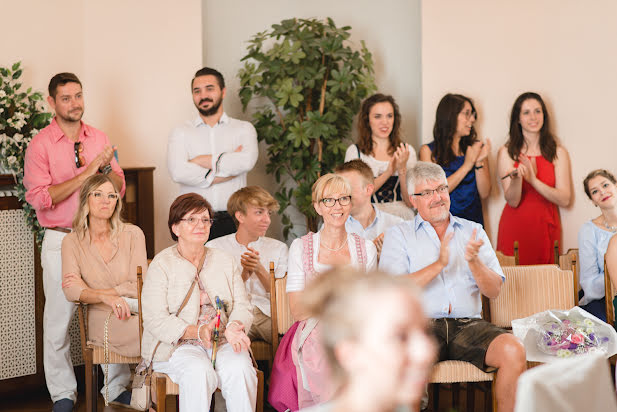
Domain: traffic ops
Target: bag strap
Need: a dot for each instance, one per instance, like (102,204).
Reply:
(184,302)
(358,149)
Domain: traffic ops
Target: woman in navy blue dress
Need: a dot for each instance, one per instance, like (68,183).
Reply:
(457,149)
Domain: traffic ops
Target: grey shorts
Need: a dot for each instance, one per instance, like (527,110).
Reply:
(465,339)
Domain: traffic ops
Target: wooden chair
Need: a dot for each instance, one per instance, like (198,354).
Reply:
(95,355)
(164,386)
(505,260)
(527,290)
(609,295)
(284,318)
(262,349)
(569,261)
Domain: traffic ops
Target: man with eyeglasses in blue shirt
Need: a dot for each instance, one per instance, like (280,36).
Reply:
(453,262)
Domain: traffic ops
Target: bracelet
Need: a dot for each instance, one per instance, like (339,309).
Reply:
(199,337)
(105,169)
(478,167)
(236,322)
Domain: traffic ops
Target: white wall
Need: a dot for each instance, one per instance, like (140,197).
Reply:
(135,60)
(492,51)
(390,28)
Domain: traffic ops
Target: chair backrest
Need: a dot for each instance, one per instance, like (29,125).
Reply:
(569,261)
(532,289)
(609,294)
(505,260)
(285,318)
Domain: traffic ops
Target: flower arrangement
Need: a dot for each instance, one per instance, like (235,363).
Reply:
(22,115)
(565,336)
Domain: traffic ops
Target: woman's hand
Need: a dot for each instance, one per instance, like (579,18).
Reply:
(392,165)
(236,337)
(73,280)
(484,151)
(472,154)
(118,305)
(528,169)
(402,156)
(205,333)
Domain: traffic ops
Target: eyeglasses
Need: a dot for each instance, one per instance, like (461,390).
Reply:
(469,114)
(330,201)
(79,159)
(429,192)
(100,195)
(193,221)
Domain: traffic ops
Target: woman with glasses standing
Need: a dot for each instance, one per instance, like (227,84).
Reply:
(196,314)
(457,149)
(534,170)
(99,266)
(310,256)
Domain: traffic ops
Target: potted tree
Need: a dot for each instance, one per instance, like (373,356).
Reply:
(312,83)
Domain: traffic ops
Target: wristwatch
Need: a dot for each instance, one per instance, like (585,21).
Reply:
(105,169)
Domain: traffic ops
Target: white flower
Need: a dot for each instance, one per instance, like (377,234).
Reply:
(2,93)
(18,137)
(11,160)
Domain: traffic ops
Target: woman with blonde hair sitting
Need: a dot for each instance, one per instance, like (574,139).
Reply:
(380,357)
(192,296)
(99,266)
(309,257)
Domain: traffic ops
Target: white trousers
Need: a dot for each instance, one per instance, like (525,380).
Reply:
(191,368)
(118,379)
(57,316)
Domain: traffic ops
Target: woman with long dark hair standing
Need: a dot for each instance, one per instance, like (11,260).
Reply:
(534,170)
(380,146)
(457,149)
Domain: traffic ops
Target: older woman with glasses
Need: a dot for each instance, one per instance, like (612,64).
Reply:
(201,344)
(310,256)
(99,266)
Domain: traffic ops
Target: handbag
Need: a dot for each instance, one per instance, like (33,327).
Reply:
(141,396)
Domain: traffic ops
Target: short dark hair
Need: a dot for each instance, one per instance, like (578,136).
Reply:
(186,203)
(61,79)
(208,71)
(598,172)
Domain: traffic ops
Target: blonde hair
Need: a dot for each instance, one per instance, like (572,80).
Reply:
(250,195)
(335,298)
(80,221)
(329,184)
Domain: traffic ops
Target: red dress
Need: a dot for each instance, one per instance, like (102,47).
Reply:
(534,223)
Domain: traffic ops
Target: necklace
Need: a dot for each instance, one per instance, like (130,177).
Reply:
(335,249)
(609,228)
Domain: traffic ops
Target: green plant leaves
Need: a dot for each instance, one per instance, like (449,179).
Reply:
(314,82)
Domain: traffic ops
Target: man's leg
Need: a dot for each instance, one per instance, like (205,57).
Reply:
(118,379)
(507,354)
(261,327)
(57,315)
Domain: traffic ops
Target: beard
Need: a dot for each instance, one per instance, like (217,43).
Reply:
(212,110)
(72,116)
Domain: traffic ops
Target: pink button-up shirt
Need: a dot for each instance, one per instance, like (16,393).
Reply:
(50,160)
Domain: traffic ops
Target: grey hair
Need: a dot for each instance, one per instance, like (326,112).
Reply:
(422,172)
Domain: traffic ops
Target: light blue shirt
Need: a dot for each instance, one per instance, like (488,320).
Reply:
(414,244)
(380,224)
(592,244)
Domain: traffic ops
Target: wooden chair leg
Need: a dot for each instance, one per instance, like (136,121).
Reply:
(90,403)
(455,395)
(259,407)
(435,387)
(94,389)
(161,394)
(494,396)
(471,397)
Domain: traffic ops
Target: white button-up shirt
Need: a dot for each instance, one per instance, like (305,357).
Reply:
(382,222)
(414,244)
(195,138)
(270,250)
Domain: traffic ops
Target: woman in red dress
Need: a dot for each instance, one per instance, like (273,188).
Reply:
(534,171)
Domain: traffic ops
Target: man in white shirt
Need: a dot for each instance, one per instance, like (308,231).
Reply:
(365,219)
(212,154)
(251,208)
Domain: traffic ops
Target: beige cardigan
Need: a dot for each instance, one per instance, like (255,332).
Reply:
(169,278)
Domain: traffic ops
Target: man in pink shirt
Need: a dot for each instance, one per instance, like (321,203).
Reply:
(58,160)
